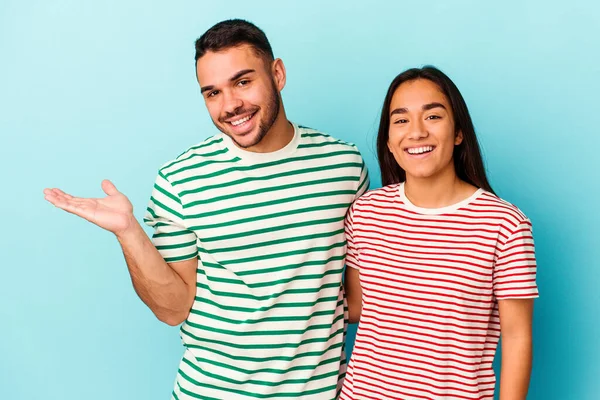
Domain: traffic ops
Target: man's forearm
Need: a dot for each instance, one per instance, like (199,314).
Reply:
(155,282)
(516,367)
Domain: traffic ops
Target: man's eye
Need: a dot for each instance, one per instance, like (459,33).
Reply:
(213,93)
(243,82)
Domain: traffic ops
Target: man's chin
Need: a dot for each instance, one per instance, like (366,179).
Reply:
(243,140)
(246,140)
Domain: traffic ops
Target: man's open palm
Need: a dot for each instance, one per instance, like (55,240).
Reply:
(113,212)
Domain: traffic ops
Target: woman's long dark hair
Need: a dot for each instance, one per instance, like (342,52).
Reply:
(467,156)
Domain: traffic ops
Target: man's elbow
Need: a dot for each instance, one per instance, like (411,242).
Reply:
(171,319)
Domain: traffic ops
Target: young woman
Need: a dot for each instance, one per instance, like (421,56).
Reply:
(439,267)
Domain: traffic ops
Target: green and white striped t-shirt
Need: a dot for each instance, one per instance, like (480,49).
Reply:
(268,231)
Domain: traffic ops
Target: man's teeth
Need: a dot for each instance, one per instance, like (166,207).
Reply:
(420,150)
(241,121)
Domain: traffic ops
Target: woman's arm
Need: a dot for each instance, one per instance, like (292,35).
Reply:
(353,294)
(515,324)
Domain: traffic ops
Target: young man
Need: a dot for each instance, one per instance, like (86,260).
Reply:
(249,246)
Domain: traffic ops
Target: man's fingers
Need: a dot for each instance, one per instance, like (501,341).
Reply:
(57,193)
(57,201)
(79,207)
(61,193)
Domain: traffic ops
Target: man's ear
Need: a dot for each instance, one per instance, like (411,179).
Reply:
(278,71)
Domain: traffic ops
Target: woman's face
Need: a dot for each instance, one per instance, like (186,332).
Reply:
(421,134)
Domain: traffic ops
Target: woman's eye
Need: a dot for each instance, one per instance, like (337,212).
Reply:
(433,117)
(401,121)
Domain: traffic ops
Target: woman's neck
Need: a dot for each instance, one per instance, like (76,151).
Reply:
(438,191)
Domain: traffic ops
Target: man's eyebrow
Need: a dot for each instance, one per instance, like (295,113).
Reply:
(236,76)
(206,88)
(240,74)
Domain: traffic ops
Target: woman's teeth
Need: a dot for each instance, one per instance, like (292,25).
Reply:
(419,150)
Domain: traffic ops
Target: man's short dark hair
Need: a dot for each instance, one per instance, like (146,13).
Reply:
(233,33)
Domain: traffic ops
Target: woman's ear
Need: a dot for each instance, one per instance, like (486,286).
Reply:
(458,139)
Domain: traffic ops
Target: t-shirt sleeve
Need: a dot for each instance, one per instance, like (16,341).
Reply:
(165,214)
(352,255)
(363,181)
(515,266)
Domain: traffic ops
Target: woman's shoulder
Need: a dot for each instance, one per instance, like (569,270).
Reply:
(491,204)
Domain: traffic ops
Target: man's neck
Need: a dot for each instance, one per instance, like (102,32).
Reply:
(279,135)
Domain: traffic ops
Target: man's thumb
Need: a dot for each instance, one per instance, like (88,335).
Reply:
(109,188)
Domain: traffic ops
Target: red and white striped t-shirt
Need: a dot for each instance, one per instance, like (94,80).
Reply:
(430,282)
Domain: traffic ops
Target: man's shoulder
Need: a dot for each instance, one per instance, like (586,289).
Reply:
(195,156)
(314,138)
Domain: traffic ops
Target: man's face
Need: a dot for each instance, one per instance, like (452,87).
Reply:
(241,92)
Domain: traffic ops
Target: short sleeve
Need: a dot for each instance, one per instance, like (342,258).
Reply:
(165,214)
(363,181)
(515,266)
(352,256)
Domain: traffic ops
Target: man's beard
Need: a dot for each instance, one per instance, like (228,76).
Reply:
(270,115)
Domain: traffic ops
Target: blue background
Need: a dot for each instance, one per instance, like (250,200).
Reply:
(93,90)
